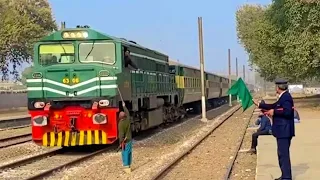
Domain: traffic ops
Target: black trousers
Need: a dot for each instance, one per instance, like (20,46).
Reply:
(255,136)
(284,157)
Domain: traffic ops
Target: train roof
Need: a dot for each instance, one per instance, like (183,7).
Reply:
(93,35)
(173,62)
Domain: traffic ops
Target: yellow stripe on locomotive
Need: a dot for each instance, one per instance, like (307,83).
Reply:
(180,82)
(67,138)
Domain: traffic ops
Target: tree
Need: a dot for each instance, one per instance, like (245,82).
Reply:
(22,23)
(24,74)
(282,39)
(254,33)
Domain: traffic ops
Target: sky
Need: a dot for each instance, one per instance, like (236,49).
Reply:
(168,26)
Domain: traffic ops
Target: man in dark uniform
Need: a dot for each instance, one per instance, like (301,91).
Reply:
(282,113)
(128,60)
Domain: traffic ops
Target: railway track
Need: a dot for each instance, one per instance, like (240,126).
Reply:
(15,127)
(230,166)
(14,122)
(14,140)
(160,174)
(45,164)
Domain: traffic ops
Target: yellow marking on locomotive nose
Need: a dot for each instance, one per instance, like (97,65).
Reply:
(73,139)
(66,140)
(81,139)
(96,136)
(45,140)
(104,137)
(89,137)
(59,139)
(52,138)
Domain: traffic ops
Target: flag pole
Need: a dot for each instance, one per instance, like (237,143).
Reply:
(203,100)
(229,64)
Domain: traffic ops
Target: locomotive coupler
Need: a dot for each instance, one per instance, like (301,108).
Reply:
(72,125)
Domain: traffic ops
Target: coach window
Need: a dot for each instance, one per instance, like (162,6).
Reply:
(50,54)
(97,52)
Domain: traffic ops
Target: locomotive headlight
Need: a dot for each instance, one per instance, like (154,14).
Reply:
(66,35)
(99,118)
(75,34)
(39,105)
(85,34)
(40,120)
(104,103)
(79,35)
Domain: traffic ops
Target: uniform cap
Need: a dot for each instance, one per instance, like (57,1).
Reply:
(281,81)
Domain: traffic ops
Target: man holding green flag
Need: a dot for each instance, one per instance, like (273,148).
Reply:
(239,88)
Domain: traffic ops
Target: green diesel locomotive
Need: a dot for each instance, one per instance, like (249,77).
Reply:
(80,77)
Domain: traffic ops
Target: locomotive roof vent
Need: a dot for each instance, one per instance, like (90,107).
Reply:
(85,26)
(124,39)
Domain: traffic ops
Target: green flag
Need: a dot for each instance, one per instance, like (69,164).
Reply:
(239,88)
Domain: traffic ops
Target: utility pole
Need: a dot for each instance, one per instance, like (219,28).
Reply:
(244,73)
(229,63)
(203,100)
(237,74)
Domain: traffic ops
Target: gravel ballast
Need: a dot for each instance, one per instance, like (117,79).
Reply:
(14,132)
(245,164)
(21,151)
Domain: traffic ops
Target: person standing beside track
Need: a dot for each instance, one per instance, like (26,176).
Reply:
(125,138)
(282,113)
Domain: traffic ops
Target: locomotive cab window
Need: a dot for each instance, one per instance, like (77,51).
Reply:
(50,54)
(97,52)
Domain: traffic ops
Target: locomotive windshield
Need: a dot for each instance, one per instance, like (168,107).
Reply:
(50,54)
(97,52)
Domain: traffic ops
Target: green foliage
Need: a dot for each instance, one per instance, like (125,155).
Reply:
(282,39)
(22,22)
(24,75)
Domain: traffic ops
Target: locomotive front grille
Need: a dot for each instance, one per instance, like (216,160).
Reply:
(67,138)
